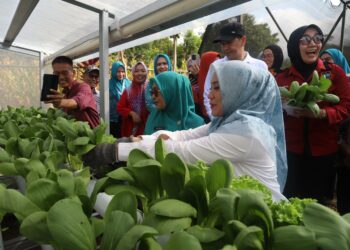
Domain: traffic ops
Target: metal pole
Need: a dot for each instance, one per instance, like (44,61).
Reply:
(41,74)
(343,26)
(104,68)
(333,28)
(274,20)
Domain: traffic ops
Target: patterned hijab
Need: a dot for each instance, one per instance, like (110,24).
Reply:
(252,107)
(338,58)
(116,88)
(136,93)
(179,111)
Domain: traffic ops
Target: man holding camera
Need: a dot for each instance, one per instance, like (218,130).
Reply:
(232,39)
(76,98)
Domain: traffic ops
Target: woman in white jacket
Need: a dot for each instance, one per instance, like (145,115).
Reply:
(247,129)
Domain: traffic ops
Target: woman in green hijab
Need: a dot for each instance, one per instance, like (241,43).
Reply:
(172,95)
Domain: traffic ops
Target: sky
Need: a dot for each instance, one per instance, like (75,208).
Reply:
(290,14)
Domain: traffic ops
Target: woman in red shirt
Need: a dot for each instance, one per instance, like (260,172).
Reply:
(312,139)
(131,106)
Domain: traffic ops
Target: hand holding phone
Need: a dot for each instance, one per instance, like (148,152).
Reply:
(50,82)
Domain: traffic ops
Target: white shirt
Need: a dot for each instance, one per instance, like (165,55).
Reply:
(248,59)
(248,155)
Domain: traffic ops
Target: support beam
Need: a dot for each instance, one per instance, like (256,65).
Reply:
(87,7)
(274,20)
(23,11)
(104,69)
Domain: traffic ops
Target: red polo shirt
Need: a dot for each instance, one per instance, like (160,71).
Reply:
(321,133)
(86,110)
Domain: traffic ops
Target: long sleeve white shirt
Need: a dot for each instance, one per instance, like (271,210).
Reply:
(248,59)
(247,155)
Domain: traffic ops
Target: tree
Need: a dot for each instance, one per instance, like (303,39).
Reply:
(258,35)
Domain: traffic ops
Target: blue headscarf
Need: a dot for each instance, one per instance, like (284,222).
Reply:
(338,58)
(178,113)
(252,107)
(116,88)
(149,102)
(166,57)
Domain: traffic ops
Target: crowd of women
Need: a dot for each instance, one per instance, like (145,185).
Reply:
(249,127)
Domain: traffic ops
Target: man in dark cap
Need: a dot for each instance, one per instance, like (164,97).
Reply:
(92,77)
(232,39)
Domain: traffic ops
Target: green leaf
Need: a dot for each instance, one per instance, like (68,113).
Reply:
(116,189)
(205,234)
(173,208)
(11,129)
(135,156)
(160,152)
(182,240)
(324,84)
(294,238)
(121,174)
(34,227)
(65,181)
(119,223)
(219,175)
(166,225)
(4,156)
(99,132)
(98,226)
(332,231)
(149,244)
(250,238)
(69,226)
(123,201)
(37,166)
(8,168)
(136,233)
(44,193)
(174,175)
(195,193)
(14,202)
(81,150)
(81,141)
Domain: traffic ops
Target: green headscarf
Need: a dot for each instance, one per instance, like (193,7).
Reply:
(179,111)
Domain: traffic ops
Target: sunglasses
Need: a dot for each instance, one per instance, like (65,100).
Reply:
(306,40)
(154,92)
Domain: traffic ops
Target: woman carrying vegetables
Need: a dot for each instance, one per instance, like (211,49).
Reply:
(312,138)
(247,129)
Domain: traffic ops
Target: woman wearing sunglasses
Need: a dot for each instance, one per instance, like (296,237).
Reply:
(312,139)
(173,99)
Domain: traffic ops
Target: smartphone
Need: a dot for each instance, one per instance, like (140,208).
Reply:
(49,82)
(194,57)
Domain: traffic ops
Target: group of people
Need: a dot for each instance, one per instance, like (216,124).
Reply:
(231,108)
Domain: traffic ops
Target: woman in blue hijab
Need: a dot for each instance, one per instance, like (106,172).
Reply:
(161,64)
(337,57)
(172,95)
(117,84)
(247,129)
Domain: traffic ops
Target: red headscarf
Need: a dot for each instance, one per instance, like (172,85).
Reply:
(207,58)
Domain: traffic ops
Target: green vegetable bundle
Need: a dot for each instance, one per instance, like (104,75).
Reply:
(306,95)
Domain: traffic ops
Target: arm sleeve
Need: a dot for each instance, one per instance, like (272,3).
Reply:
(122,106)
(205,95)
(84,97)
(339,112)
(185,135)
(208,148)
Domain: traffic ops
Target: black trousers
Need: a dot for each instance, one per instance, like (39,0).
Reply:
(310,176)
(343,190)
(115,128)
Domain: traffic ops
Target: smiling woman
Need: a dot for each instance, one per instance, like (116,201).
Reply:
(312,138)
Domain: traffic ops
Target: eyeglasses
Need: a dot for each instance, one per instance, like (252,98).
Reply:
(154,92)
(306,40)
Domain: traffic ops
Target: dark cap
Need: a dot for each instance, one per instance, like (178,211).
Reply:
(91,68)
(230,31)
